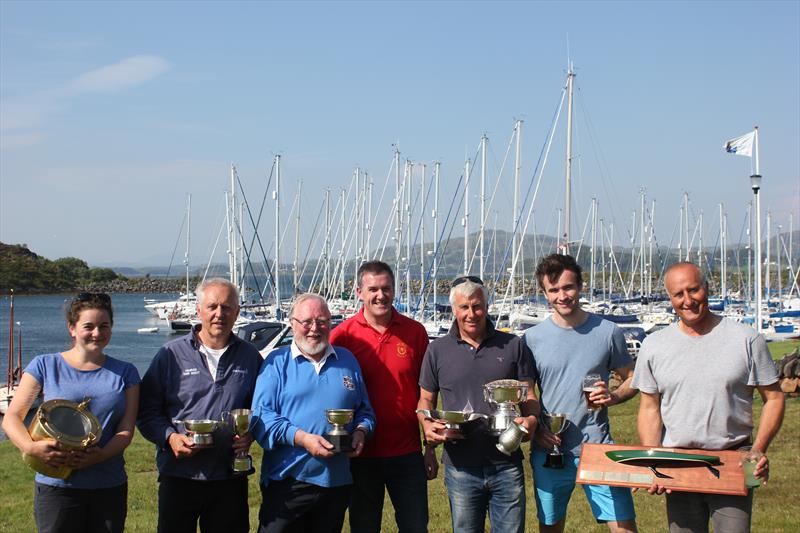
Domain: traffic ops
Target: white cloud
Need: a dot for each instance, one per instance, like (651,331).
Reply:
(129,72)
(19,116)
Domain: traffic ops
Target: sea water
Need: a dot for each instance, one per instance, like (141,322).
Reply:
(44,329)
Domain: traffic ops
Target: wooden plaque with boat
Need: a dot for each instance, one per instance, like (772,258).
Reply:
(678,469)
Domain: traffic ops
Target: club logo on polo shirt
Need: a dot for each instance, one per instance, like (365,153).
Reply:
(347,381)
(402,350)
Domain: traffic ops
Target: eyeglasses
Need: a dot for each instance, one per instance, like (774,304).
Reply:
(463,279)
(321,323)
(89,296)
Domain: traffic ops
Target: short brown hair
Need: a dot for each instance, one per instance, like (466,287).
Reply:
(88,300)
(554,265)
(374,267)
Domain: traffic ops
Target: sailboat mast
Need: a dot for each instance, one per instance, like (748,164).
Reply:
(188,243)
(407,207)
(483,201)
(10,370)
(516,214)
(594,239)
(232,230)
(397,220)
(465,221)
(435,217)
(422,242)
(568,163)
(641,244)
(767,286)
(276,195)
(652,239)
(295,266)
(722,255)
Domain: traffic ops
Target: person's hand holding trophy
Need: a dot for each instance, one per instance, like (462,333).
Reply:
(553,425)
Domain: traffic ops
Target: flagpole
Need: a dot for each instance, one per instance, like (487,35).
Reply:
(755,183)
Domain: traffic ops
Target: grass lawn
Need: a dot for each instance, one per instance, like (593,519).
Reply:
(775,504)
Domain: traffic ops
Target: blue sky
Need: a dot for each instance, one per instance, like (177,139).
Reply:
(111,113)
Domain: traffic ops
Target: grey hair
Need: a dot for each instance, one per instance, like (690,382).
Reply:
(218,282)
(467,289)
(308,296)
(703,280)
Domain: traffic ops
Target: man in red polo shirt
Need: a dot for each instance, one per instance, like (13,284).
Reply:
(389,348)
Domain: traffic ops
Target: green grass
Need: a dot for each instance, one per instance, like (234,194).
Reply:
(779,349)
(775,508)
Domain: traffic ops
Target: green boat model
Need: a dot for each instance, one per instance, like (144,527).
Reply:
(655,457)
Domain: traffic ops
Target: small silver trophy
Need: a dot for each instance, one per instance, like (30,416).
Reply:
(239,421)
(201,431)
(556,423)
(342,440)
(505,395)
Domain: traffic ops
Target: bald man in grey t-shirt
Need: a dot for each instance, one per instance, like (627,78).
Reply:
(697,379)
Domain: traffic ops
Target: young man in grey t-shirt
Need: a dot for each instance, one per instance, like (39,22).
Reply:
(566,347)
(697,378)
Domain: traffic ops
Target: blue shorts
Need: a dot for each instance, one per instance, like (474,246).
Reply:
(553,489)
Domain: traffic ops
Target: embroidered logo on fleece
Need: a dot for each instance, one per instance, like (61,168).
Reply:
(402,350)
(347,381)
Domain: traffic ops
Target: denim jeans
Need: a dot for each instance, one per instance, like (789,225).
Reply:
(404,478)
(499,488)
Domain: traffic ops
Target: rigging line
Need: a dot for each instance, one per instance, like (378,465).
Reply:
(541,163)
(379,206)
(613,198)
(496,184)
(441,250)
(310,244)
(177,241)
(477,241)
(256,236)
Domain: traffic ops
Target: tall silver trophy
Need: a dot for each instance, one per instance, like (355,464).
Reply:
(239,421)
(505,395)
(556,423)
(342,440)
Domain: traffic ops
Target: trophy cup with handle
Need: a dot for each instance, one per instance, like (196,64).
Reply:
(239,420)
(556,423)
(342,440)
(505,395)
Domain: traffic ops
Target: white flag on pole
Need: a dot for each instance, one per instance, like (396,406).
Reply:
(741,145)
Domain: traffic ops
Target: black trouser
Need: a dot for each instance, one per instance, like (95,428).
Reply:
(220,506)
(289,505)
(67,510)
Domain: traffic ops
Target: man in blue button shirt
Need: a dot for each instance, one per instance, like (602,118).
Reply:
(196,377)
(305,485)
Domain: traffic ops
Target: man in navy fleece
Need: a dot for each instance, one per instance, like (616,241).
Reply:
(196,377)
(305,486)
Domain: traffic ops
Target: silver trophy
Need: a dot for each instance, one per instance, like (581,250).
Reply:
(454,421)
(239,421)
(342,440)
(505,395)
(556,423)
(201,431)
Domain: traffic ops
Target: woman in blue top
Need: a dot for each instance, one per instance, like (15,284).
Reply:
(93,498)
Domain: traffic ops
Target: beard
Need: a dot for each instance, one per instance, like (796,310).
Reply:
(311,348)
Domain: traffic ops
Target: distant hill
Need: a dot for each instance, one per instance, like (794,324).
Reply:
(23,270)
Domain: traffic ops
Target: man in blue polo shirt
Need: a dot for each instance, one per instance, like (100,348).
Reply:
(305,485)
